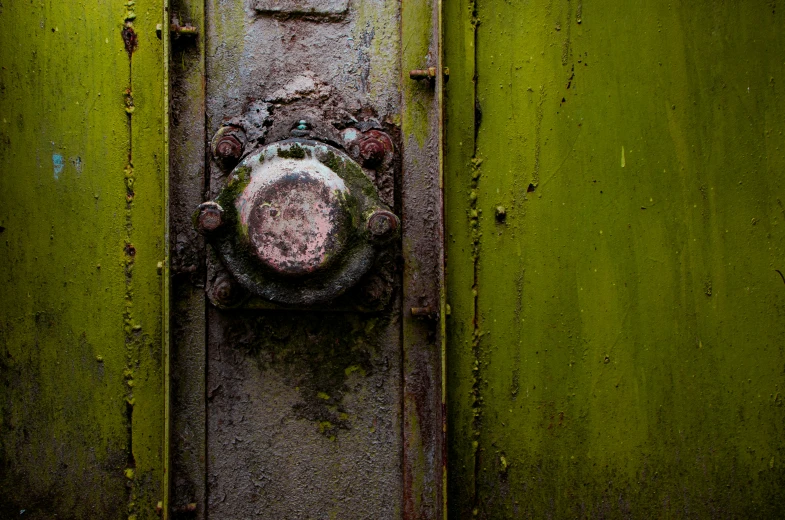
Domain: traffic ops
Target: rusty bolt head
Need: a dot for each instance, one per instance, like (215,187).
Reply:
(375,147)
(228,144)
(382,225)
(226,292)
(210,217)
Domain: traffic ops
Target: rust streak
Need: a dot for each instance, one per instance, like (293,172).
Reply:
(130,39)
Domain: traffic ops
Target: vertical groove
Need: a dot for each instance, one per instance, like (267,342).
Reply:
(475,232)
(129,37)
(206,190)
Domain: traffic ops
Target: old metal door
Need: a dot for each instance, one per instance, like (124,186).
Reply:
(83,260)
(306,373)
(615,242)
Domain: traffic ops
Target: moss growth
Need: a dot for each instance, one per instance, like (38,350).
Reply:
(295,151)
(316,353)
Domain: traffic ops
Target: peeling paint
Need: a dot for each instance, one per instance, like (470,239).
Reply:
(58,163)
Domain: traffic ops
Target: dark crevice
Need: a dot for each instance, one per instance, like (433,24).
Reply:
(204,500)
(475,231)
(130,462)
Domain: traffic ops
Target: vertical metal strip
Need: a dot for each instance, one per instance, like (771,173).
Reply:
(187,156)
(423,284)
(166,280)
(442,74)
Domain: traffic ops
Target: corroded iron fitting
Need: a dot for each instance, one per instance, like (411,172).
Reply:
(375,147)
(228,145)
(300,223)
(383,225)
(209,217)
(428,313)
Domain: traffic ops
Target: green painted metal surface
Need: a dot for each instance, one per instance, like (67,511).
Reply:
(83,259)
(616,233)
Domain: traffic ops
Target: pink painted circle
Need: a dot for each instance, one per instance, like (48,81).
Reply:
(296,221)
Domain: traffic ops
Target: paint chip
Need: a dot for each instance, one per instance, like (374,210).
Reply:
(58,164)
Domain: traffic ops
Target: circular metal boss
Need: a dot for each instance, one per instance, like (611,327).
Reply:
(299,222)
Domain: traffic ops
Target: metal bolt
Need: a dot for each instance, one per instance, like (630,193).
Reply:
(188,508)
(176,29)
(228,145)
(424,312)
(225,291)
(210,217)
(382,225)
(374,147)
(428,73)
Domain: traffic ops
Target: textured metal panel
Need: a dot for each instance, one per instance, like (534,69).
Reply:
(82,256)
(615,231)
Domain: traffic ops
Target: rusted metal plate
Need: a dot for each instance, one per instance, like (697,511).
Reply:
(304,407)
(323,7)
(83,339)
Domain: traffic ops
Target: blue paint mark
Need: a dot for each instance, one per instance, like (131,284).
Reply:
(58,162)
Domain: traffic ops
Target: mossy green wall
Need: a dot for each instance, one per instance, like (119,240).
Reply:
(82,259)
(616,338)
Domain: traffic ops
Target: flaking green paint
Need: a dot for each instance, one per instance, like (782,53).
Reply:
(592,372)
(81,326)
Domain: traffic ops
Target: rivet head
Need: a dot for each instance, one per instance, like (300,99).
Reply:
(382,225)
(228,145)
(210,217)
(225,291)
